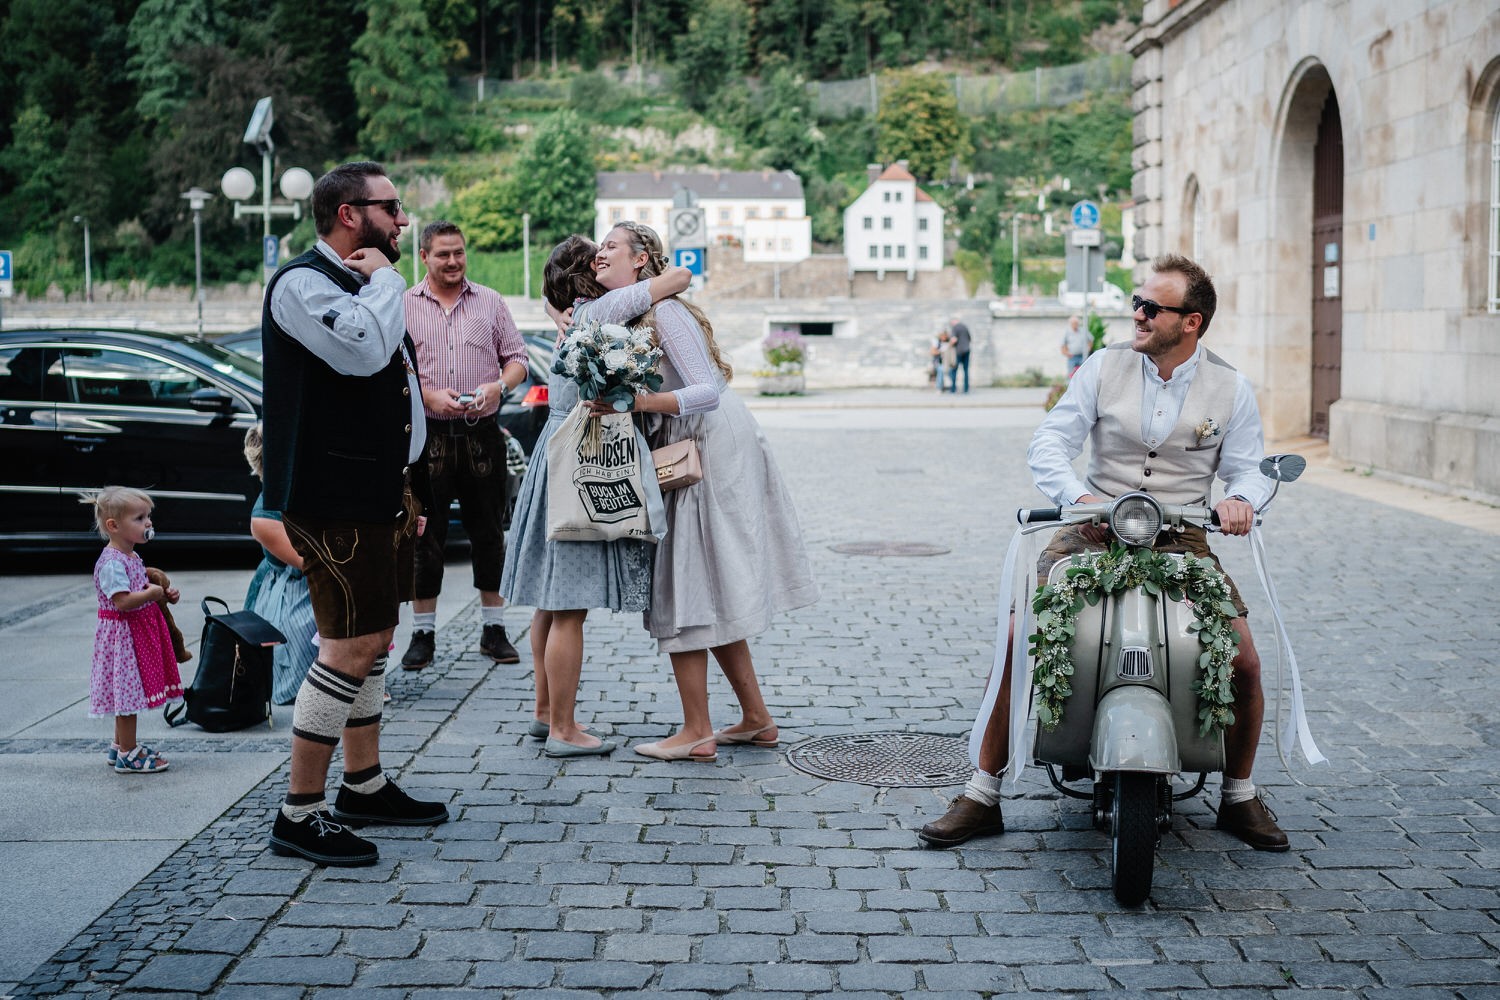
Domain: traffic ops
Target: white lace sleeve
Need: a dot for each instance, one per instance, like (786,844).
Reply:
(687,353)
(620,305)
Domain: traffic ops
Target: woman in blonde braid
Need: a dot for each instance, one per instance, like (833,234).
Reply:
(733,555)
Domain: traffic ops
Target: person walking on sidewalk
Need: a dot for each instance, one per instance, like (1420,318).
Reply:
(470,355)
(958,333)
(343,461)
(1163,414)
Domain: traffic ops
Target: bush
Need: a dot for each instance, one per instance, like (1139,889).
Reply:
(784,349)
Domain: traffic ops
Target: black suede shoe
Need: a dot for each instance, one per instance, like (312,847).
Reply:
(320,840)
(419,652)
(496,646)
(964,820)
(387,804)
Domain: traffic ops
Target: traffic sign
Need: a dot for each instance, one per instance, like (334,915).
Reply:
(1086,237)
(1086,215)
(694,259)
(271,250)
(5,274)
(687,228)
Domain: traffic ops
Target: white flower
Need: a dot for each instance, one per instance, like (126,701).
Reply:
(616,359)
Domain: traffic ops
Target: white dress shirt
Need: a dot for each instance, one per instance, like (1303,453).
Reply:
(1061,436)
(355,334)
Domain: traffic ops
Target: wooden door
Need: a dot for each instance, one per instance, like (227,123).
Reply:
(1327,265)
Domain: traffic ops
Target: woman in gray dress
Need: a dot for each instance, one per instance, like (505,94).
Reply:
(563,580)
(733,554)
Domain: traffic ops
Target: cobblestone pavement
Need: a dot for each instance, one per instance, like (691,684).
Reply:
(615,877)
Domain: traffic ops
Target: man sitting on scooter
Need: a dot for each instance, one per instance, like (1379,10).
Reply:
(1165,423)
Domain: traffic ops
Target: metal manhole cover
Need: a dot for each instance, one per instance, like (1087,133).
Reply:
(889,549)
(893,760)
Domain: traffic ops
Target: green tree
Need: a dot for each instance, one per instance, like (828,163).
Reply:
(400,82)
(919,122)
(715,48)
(488,214)
(554,177)
(160,32)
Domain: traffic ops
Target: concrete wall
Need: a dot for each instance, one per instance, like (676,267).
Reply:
(1227,100)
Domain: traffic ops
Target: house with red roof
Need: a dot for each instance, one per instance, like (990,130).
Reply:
(894,225)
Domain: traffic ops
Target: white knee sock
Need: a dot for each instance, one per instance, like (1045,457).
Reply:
(983,788)
(492,616)
(1236,790)
(424,621)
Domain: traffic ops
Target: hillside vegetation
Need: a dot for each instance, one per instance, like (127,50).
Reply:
(117,109)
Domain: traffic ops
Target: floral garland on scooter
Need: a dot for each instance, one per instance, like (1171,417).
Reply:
(1089,580)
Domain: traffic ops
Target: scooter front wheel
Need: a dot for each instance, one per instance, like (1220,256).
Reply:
(1133,836)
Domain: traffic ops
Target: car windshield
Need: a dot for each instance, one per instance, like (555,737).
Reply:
(240,367)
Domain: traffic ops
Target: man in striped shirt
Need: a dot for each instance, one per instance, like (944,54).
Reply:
(469,354)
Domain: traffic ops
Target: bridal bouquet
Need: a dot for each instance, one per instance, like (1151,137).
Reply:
(609,362)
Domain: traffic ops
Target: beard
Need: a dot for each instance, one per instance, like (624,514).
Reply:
(372,237)
(1161,339)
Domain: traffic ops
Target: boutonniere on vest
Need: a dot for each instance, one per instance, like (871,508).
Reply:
(1208,429)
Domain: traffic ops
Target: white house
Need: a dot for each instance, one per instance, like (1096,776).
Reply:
(1336,165)
(762,211)
(894,225)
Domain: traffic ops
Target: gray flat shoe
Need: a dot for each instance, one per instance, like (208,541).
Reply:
(557,748)
(539,730)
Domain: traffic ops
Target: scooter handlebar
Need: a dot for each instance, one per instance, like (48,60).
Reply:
(1036,515)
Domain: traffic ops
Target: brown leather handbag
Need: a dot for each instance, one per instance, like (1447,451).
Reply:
(677,464)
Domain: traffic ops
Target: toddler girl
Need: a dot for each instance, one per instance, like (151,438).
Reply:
(134,667)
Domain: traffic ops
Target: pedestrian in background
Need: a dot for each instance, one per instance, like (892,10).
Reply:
(958,333)
(134,668)
(947,359)
(1077,343)
(344,433)
(278,590)
(733,554)
(470,355)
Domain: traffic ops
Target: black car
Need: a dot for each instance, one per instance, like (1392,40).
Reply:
(81,409)
(523,412)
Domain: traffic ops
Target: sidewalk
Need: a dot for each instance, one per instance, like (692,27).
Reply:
(625,876)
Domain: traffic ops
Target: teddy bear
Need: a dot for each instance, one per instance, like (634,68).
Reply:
(179,645)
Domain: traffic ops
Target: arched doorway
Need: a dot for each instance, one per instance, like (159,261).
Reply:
(1327,265)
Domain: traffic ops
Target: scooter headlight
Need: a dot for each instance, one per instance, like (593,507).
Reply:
(1135,519)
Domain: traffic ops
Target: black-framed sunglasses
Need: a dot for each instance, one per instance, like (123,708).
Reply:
(391,205)
(1152,308)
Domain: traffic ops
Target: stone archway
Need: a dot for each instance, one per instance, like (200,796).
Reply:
(1290,266)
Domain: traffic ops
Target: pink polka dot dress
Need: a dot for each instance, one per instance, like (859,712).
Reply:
(134,667)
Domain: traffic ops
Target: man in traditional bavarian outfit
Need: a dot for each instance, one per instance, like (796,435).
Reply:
(343,455)
(1164,416)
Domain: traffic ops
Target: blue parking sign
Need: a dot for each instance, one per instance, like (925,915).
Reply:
(693,259)
(5,265)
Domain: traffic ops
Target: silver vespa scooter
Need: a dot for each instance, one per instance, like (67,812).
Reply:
(1131,722)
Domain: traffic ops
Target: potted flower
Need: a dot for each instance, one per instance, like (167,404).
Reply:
(784,351)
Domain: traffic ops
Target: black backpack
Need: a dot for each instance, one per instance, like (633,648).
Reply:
(232,689)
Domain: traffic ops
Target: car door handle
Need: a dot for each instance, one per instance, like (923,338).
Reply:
(83,443)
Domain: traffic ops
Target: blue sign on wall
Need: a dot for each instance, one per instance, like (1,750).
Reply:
(693,259)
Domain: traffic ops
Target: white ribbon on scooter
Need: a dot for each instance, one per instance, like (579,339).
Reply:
(1020,681)
(1295,725)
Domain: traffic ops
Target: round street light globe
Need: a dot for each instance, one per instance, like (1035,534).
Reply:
(296,184)
(237,183)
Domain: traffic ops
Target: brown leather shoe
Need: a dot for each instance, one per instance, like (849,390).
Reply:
(964,820)
(1253,822)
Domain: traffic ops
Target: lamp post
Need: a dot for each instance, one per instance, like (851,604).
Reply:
(196,199)
(1015,253)
(238,184)
(88,260)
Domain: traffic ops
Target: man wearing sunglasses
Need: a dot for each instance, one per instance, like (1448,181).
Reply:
(1163,415)
(344,437)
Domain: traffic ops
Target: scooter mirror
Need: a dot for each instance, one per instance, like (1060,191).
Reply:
(1283,468)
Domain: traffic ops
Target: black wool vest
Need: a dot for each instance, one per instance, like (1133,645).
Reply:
(336,446)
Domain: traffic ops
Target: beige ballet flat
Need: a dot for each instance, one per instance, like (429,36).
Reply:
(750,736)
(659,752)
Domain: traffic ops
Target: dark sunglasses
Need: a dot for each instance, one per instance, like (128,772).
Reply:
(1152,308)
(391,205)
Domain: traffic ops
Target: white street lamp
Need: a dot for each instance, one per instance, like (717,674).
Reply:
(88,260)
(238,184)
(196,199)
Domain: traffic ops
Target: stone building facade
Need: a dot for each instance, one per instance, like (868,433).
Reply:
(1336,165)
